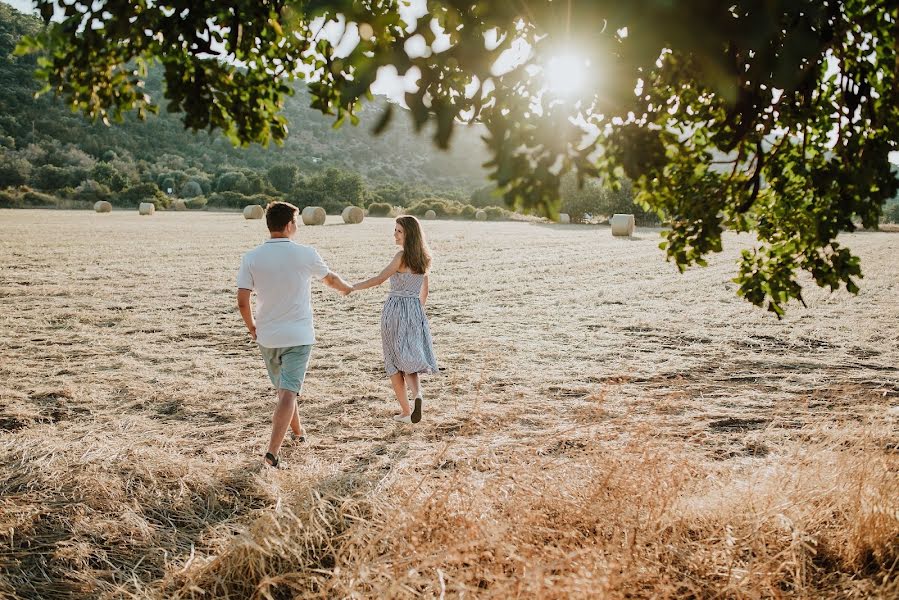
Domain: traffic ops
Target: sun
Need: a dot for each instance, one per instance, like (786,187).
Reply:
(566,73)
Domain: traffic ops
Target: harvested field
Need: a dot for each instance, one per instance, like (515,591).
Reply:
(603,426)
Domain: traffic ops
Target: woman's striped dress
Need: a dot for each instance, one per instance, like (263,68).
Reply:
(405,334)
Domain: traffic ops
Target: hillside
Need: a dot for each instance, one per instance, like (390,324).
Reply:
(44,132)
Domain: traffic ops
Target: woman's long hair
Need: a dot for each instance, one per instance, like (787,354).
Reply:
(416,254)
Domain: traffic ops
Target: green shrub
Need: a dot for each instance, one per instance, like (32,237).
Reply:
(304,196)
(168,185)
(230,182)
(91,191)
(260,199)
(468,211)
(51,177)
(159,199)
(891,212)
(440,206)
(228,200)
(495,213)
(420,207)
(485,196)
(333,206)
(14,171)
(595,201)
(196,203)
(10,199)
(283,177)
(109,176)
(380,209)
(142,192)
(32,198)
(191,189)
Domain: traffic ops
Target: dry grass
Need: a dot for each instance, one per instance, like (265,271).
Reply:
(604,427)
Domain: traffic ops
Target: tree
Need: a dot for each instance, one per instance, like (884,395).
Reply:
(775,117)
(51,177)
(91,191)
(191,189)
(142,192)
(14,171)
(283,177)
(108,175)
(595,200)
(333,190)
(891,212)
(232,181)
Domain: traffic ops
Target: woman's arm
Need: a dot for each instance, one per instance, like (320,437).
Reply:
(424,290)
(383,276)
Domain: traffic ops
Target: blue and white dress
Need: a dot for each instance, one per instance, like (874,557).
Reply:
(405,333)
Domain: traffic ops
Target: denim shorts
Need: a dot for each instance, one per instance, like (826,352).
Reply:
(287,366)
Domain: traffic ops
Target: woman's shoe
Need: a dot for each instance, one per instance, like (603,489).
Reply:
(273,461)
(402,418)
(298,437)
(416,412)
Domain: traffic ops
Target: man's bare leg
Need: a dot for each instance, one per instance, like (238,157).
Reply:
(284,413)
(295,421)
(399,388)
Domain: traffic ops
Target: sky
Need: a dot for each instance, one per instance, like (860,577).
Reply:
(23,5)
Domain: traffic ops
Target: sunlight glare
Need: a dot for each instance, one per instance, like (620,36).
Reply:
(566,74)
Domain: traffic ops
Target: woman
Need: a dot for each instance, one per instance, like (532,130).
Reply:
(405,333)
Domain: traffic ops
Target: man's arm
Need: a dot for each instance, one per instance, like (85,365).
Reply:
(246,310)
(336,282)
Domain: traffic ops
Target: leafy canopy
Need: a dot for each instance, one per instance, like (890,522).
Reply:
(775,117)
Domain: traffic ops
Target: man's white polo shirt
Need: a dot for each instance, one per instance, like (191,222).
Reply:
(281,273)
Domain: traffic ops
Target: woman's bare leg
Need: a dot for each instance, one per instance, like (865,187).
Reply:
(414,385)
(399,388)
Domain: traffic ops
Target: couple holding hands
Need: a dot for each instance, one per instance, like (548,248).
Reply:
(281,271)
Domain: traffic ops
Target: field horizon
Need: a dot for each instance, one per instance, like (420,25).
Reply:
(602,426)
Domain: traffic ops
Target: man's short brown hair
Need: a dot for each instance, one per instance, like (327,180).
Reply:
(279,214)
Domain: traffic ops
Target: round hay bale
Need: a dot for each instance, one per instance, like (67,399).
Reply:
(314,215)
(352,215)
(564,218)
(146,208)
(480,215)
(178,204)
(253,211)
(102,206)
(430,215)
(622,225)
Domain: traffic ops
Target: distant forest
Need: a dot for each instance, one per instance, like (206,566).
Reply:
(49,154)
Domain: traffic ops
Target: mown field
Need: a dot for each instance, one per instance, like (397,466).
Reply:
(602,427)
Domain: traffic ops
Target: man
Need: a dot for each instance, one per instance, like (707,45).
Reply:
(281,271)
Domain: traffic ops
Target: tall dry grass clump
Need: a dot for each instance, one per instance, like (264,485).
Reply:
(642,520)
(104,514)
